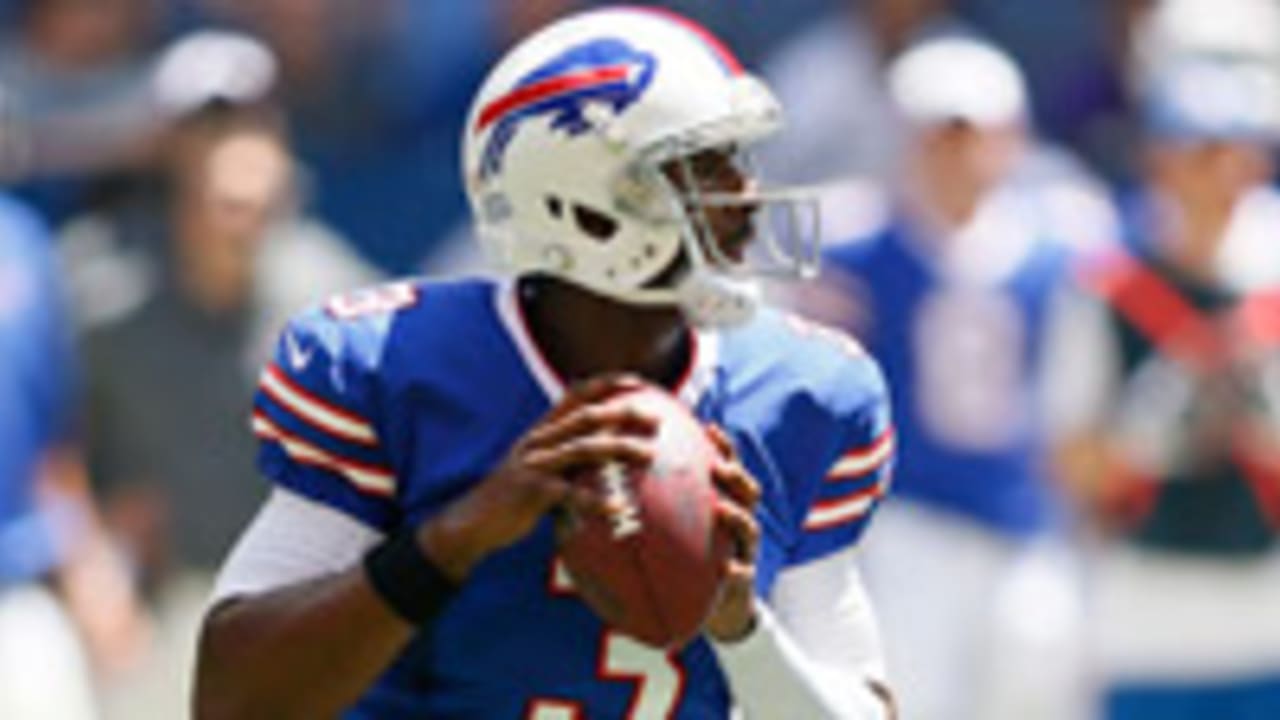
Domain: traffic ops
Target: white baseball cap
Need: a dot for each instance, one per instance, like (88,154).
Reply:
(1212,98)
(1231,28)
(212,65)
(958,78)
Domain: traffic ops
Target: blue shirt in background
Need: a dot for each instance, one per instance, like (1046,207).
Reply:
(35,392)
(961,348)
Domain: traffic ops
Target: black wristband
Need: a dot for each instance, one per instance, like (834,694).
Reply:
(406,579)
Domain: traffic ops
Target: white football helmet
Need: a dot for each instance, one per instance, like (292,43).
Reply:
(564,156)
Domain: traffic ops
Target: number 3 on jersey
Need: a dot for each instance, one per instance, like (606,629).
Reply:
(658,677)
(375,300)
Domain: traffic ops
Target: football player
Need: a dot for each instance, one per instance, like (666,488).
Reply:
(418,433)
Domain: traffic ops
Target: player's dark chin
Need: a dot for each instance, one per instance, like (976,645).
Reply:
(733,249)
(734,246)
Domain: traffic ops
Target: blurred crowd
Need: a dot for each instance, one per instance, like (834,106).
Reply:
(1054,222)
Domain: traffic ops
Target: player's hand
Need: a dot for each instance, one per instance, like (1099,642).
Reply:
(734,614)
(582,429)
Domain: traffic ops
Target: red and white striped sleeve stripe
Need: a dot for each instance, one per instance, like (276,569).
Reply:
(830,513)
(313,411)
(367,478)
(864,460)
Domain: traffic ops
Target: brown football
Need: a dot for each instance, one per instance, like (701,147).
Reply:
(653,570)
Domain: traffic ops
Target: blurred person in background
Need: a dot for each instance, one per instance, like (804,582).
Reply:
(168,380)
(60,584)
(1166,371)
(847,125)
(843,122)
(948,286)
(117,252)
(1097,104)
(375,93)
(75,96)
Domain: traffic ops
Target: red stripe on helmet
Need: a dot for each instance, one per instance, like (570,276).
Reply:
(543,89)
(721,51)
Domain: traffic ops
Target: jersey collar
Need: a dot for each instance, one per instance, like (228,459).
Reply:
(695,381)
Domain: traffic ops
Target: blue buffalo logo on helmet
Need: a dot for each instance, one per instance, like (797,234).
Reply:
(607,71)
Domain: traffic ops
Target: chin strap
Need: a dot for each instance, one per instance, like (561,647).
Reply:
(716,301)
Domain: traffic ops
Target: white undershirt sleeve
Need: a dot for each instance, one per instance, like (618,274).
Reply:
(813,652)
(292,539)
(826,608)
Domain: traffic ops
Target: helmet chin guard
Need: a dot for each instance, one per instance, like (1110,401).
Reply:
(569,156)
(711,300)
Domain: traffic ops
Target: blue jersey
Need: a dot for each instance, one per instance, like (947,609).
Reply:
(35,371)
(960,347)
(390,403)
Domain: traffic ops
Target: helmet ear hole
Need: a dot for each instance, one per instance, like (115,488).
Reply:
(594,224)
(554,206)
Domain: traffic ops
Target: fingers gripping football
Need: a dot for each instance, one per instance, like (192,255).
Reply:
(582,430)
(733,615)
